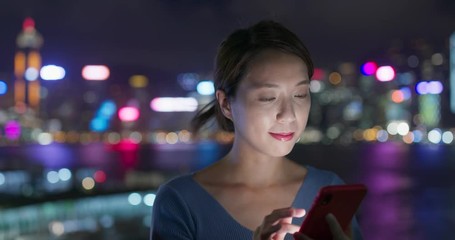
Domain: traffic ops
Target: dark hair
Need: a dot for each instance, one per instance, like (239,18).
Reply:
(234,55)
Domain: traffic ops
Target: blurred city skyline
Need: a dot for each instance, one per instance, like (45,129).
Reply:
(172,47)
(182,36)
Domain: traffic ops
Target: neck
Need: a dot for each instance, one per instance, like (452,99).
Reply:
(253,169)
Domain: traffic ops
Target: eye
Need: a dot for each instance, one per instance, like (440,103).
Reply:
(301,95)
(265,99)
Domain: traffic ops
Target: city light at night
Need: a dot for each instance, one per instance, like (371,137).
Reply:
(98,99)
(385,73)
(431,87)
(205,88)
(95,72)
(52,72)
(168,104)
(3,87)
(369,68)
(128,114)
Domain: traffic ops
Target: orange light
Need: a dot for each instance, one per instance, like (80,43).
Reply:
(19,64)
(34,60)
(19,91)
(397,96)
(34,94)
(335,78)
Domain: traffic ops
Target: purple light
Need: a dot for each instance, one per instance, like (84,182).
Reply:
(431,87)
(406,93)
(385,73)
(369,68)
(12,130)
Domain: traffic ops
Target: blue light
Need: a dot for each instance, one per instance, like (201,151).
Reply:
(3,88)
(107,109)
(206,88)
(99,124)
(406,92)
(430,87)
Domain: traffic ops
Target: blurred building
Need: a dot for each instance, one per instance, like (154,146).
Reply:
(27,64)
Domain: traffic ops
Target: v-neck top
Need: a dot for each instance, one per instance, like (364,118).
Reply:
(183,209)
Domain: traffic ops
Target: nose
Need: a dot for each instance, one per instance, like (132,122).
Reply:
(286,112)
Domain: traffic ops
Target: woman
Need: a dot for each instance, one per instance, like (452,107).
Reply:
(262,79)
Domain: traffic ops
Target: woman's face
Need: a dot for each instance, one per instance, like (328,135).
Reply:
(271,107)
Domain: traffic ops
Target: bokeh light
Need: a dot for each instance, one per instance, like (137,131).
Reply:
(52,72)
(205,88)
(12,130)
(64,174)
(397,96)
(31,74)
(169,104)
(99,124)
(437,59)
(316,86)
(335,78)
(128,114)
(382,135)
(138,81)
(418,136)
(2,179)
(385,73)
(52,177)
(318,74)
(95,72)
(3,87)
(88,183)
(134,199)
(149,199)
(45,138)
(435,136)
(430,87)
(447,137)
(99,176)
(402,128)
(369,68)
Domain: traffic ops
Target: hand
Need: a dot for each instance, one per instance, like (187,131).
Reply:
(335,228)
(278,223)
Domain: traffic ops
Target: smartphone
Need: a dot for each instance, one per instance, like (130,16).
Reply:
(340,200)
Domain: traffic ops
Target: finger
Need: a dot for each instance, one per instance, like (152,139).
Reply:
(299,212)
(268,231)
(334,226)
(277,215)
(288,228)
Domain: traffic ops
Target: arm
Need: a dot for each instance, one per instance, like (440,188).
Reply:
(171,217)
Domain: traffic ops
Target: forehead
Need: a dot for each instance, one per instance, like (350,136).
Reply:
(275,67)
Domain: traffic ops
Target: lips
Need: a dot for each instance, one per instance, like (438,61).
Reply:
(282,136)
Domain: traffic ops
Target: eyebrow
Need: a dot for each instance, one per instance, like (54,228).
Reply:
(271,85)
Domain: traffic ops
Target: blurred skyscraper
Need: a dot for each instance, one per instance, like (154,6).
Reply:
(27,64)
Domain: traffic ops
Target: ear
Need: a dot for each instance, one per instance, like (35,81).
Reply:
(224,103)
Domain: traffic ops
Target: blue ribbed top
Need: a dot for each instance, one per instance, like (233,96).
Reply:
(184,210)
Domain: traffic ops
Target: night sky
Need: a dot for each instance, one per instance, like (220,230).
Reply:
(182,35)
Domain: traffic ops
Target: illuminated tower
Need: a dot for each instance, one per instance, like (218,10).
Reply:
(27,64)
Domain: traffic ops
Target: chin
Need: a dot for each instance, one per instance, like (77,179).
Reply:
(280,151)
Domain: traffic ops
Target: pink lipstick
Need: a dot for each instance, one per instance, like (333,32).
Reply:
(282,136)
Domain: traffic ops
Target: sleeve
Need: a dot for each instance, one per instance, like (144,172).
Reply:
(171,217)
(355,229)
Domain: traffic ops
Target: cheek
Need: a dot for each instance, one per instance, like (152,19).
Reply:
(250,117)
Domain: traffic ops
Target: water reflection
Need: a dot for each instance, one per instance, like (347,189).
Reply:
(100,191)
